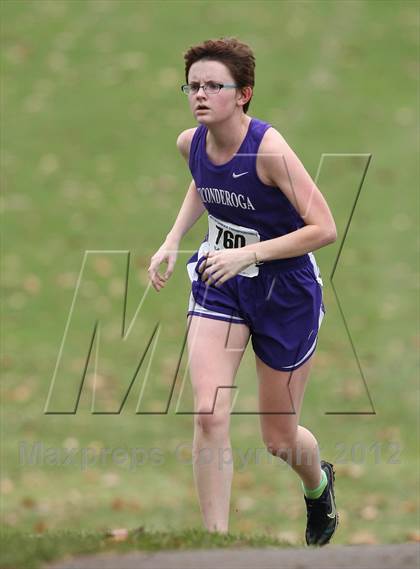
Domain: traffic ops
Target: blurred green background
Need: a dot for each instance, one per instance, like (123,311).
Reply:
(91,109)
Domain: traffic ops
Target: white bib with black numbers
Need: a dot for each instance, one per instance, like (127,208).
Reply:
(225,235)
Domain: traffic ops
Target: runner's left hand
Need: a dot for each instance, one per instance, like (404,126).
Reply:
(219,266)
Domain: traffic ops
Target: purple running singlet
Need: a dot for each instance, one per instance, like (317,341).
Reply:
(281,300)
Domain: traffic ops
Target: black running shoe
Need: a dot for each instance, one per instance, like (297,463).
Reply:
(322,516)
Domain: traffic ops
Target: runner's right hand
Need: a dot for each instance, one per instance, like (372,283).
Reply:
(167,253)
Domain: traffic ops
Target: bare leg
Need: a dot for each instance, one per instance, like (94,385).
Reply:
(215,351)
(281,395)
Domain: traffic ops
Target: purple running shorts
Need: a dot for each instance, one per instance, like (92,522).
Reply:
(282,306)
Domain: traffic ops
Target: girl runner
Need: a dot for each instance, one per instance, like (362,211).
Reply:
(254,275)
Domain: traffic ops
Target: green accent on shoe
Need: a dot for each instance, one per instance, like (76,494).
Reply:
(316,492)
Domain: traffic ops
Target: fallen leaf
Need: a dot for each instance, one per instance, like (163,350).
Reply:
(369,513)
(6,486)
(246,525)
(409,506)
(7,362)
(11,519)
(66,280)
(40,527)
(374,499)
(414,535)
(352,389)
(134,505)
(245,503)
(91,476)
(71,443)
(363,537)
(391,433)
(118,504)
(290,537)
(116,287)
(350,470)
(245,480)
(120,534)
(110,479)
(102,265)
(22,393)
(28,502)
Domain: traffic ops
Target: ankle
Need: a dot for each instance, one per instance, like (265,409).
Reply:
(314,493)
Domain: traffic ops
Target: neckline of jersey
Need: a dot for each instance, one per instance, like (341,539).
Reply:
(219,167)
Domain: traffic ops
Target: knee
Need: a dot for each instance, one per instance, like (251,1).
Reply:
(280,444)
(212,424)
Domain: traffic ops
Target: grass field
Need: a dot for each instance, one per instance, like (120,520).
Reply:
(91,109)
(19,547)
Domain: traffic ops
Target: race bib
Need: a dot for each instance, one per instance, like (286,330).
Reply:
(225,235)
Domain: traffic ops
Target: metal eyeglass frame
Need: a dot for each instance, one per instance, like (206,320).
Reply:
(187,89)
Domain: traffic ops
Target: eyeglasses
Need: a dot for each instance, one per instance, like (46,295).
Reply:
(210,87)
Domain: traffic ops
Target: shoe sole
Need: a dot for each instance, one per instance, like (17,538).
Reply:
(332,473)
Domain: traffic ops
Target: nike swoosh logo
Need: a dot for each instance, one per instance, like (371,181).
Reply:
(333,512)
(239,175)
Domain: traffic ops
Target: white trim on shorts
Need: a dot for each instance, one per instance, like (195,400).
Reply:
(312,348)
(316,268)
(199,310)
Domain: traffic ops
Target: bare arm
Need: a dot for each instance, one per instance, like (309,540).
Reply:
(192,207)
(279,166)
(191,210)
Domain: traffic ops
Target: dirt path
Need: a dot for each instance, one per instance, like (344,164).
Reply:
(401,556)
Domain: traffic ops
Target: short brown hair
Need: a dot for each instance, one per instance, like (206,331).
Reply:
(236,55)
